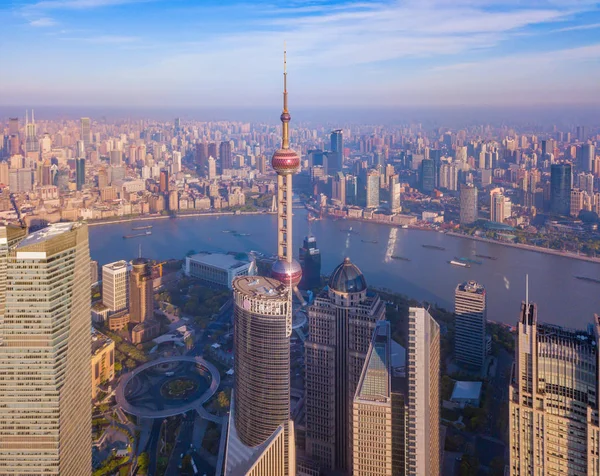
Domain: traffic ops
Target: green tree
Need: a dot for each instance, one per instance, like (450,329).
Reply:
(223,400)
(143,463)
(469,466)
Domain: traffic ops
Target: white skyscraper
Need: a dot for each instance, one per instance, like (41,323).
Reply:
(115,285)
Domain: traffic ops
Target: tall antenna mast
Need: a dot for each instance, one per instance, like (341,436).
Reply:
(527,292)
(140,251)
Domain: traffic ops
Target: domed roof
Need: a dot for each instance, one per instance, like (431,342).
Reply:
(285,161)
(347,278)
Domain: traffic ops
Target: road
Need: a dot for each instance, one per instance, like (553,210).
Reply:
(182,445)
(152,447)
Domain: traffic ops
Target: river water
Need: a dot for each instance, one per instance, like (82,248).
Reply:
(561,298)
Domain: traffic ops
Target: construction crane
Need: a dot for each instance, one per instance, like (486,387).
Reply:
(13,200)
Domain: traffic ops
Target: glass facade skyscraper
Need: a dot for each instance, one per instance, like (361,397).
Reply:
(560,189)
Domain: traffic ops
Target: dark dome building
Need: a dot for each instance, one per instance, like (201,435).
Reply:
(347,278)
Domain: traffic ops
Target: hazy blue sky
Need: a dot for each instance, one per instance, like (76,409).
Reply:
(340,53)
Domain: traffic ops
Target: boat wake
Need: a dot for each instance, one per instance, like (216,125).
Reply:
(391,245)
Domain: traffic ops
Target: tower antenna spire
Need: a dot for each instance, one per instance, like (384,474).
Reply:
(285,115)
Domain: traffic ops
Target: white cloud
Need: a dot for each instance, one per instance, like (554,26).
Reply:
(77,4)
(42,22)
(589,26)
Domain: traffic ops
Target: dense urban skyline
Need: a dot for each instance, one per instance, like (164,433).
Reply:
(347,53)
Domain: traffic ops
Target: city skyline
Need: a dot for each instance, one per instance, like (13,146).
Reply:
(150,53)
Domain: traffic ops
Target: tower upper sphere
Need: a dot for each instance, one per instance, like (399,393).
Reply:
(285,161)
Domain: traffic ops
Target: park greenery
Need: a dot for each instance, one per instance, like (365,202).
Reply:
(200,302)
(178,388)
(110,466)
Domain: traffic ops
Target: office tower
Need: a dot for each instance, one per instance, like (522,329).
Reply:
(141,298)
(310,261)
(225,155)
(261,434)
(468,204)
(389,436)
(581,133)
(335,161)
(379,409)
(163,186)
(177,125)
(588,154)
(45,411)
(470,312)
(141,155)
(560,189)
(213,151)
(115,285)
(423,446)
(31,141)
(553,399)
(341,322)
(212,168)
(372,194)
(500,206)
(260,440)
(86,134)
(80,171)
(427,176)
(201,155)
(338,188)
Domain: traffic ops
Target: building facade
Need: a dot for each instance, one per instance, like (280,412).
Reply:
(45,409)
(423,446)
(219,268)
(115,285)
(103,360)
(560,189)
(341,324)
(468,204)
(141,293)
(470,311)
(553,399)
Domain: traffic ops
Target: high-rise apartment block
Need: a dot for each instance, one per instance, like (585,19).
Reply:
(115,285)
(470,311)
(310,260)
(468,204)
(141,297)
(341,324)
(372,192)
(553,399)
(45,389)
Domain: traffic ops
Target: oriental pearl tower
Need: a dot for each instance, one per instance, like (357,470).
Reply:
(286,163)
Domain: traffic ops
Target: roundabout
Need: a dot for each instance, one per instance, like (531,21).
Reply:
(167,387)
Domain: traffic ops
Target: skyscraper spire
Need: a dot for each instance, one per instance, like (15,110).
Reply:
(285,115)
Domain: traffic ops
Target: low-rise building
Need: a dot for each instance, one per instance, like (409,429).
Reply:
(219,268)
(118,321)
(103,360)
(145,331)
